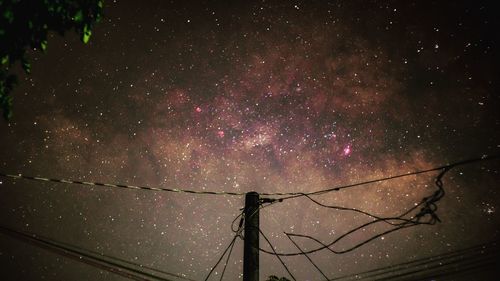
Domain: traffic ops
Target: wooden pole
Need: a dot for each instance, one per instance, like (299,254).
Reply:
(251,243)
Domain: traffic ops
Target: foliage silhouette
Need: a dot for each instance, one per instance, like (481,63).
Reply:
(275,278)
(25,24)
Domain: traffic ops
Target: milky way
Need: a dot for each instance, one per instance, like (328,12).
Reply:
(264,96)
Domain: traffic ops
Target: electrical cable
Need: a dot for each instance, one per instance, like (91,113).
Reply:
(456,265)
(139,267)
(21,176)
(289,195)
(114,259)
(307,256)
(240,223)
(238,233)
(227,260)
(327,246)
(480,266)
(267,201)
(81,256)
(462,253)
(398,218)
(279,258)
(429,208)
(222,256)
(292,195)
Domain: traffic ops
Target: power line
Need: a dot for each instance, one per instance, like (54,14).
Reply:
(227,261)
(431,269)
(338,188)
(422,262)
(327,246)
(128,263)
(222,256)
(428,209)
(446,267)
(279,258)
(113,259)
(21,176)
(83,256)
(241,227)
(479,265)
(229,247)
(289,195)
(307,256)
(387,220)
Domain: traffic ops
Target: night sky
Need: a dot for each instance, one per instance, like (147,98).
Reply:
(271,96)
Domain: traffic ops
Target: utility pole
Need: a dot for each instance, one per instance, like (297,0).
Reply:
(251,242)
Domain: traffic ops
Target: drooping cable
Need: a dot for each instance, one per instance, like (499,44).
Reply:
(428,210)
(151,188)
(222,256)
(462,253)
(82,256)
(479,259)
(279,258)
(307,256)
(139,267)
(338,252)
(227,260)
(288,195)
(292,195)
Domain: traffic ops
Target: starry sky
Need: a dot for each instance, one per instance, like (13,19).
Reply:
(270,96)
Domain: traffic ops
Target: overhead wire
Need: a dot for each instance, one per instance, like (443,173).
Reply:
(442,268)
(338,252)
(279,258)
(389,221)
(292,195)
(227,261)
(221,257)
(429,207)
(237,234)
(463,254)
(100,261)
(139,267)
(481,266)
(490,246)
(262,201)
(268,202)
(230,246)
(307,256)
(151,188)
(428,210)
(288,195)
(479,259)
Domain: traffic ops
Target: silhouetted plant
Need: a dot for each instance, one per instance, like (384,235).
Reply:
(25,24)
(275,278)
